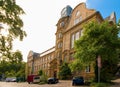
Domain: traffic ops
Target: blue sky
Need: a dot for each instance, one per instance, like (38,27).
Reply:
(105,7)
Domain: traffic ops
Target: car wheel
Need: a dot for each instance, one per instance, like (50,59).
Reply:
(73,84)
(56,81)
(50,82)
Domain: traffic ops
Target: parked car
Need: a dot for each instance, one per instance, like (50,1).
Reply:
(10,79)
(33,79)
(36,79)
(52,80)
(78,80)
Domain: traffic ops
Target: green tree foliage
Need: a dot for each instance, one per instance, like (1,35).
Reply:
(5,45)
(21,70)
(11,22)
(65,71)
(13,66)
(98,39)
(118,26)
(10,15)
(40,72)
(16,57)
(43,77)
(10,19)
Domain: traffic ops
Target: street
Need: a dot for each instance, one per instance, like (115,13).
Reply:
(62,83)
(25,84)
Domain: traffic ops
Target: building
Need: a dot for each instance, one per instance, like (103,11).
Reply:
(69,29)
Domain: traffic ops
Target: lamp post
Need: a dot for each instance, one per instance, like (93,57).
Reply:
(99,67)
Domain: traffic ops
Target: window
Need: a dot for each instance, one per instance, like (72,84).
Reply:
(65,58)
(77,13)
(58,54)
(71,56)
(80,18)
(49,58)
(87,70)
(62,24)
(75,36)
(81,32)
(60,35)
(45,59)
(72,41)
(60,45)
(77,20)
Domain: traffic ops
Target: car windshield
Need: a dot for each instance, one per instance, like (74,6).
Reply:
(37,77)
(79,77)
(52,78)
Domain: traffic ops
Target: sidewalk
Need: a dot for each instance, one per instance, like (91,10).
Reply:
(117,83)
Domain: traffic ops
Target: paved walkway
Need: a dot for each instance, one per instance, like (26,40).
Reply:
(62,83)
(117,83)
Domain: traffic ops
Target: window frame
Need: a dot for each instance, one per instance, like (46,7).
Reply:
(74,37)
(88,68)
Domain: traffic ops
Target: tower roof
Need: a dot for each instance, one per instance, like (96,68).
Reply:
(66,11)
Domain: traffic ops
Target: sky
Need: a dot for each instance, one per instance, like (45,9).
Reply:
(41,17)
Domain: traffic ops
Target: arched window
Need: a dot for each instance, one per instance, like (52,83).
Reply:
(77,13)
(60,35)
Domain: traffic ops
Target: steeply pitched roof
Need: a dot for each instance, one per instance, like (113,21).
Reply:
(111,18)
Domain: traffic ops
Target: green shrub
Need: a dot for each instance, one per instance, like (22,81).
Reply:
(99,85)
(43,78)
(42,83)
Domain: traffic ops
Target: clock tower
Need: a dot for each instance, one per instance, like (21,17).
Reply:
(61,27)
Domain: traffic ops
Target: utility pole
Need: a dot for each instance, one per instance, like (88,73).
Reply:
(99,67)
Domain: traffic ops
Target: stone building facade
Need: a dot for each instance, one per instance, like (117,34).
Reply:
(69,29)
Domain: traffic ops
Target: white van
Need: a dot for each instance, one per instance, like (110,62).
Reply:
(36,79)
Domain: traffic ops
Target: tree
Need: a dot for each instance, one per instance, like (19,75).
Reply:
(98,40)
(5,45)
(10,16)
(17,57)
(11,62)
(43,76)
(21,71)
(118,26)
(13,66)
(65,71)
(40,72)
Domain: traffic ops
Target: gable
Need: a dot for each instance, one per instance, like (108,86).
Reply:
(79,13)
(30,54)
